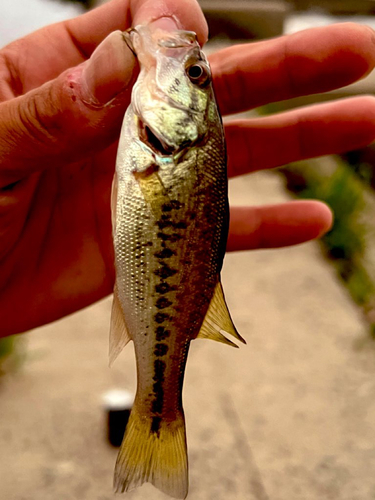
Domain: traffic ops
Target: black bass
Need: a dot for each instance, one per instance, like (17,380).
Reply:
(170,225)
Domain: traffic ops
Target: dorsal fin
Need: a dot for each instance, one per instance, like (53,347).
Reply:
(119,335)
(217,321)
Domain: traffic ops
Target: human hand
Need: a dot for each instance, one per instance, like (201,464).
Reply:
(60,121)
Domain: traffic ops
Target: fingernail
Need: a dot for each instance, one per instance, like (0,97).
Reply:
(167,23)
(108,71)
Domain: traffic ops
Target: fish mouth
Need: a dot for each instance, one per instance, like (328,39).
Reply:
(154,142)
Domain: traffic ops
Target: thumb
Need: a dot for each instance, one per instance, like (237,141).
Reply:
(78,113)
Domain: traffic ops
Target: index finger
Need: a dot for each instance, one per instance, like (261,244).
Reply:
(308,62)
(90,29)
(59,46)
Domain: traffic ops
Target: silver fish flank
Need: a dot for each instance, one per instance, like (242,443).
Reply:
(170,224)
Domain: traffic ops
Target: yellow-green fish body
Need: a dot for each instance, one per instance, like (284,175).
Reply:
(170,218)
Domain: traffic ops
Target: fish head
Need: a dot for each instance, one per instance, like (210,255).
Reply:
(172,96)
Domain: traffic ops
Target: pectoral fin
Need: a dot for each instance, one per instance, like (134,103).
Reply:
(153,189)
(119,335)
(217,321)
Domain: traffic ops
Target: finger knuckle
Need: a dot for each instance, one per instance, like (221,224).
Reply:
(39,118)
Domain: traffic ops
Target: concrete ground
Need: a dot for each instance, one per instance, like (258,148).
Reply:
(290,416)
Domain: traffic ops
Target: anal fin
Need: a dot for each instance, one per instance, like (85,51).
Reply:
(218,322)
(119,335)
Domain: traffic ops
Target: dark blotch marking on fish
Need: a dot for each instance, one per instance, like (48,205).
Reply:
(163,236)
(161,349)
(157,404)
(161,317)
(159,371)
(169,237)
(163,288)
(157,387)
(177,81)
(155,425)
(162,224)
(165,253)
(167,207)
(162,333)
(163,302)
(172,205)
(175,237)
(165,272)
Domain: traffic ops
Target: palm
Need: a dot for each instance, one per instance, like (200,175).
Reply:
(60,225)
(65,244)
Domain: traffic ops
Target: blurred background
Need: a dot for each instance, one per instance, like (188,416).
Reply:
(290,416)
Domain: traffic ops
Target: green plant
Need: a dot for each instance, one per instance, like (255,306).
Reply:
(338,186)
(10,353)
(332,180)
(360,286)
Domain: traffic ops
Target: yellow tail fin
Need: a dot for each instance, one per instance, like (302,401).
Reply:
(153,451)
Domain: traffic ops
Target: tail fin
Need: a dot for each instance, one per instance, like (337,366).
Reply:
(153,451)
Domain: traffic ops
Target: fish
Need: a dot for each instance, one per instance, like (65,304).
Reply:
(170,218)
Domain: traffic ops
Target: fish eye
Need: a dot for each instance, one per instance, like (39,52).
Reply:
(198,74)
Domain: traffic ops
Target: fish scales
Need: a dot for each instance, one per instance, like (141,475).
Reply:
(163,262)
(170,218)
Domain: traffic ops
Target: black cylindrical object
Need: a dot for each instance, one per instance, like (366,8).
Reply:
(118,404)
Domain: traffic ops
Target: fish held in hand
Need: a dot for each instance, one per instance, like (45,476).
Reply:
(170,224)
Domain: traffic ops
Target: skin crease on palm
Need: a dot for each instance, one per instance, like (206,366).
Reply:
(59,124)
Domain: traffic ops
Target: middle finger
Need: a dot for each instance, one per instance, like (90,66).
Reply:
(310,61)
